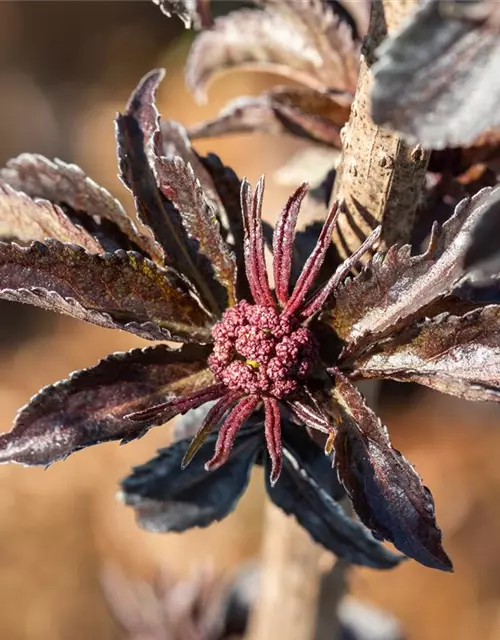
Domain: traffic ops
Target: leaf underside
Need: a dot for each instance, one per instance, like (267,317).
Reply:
(166,498)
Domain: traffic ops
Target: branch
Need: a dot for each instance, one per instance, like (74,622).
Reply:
(380,178)
(290,581)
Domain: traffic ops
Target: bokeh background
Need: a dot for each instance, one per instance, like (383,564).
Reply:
(66,68)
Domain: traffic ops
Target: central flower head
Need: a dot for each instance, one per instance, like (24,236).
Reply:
(258,350)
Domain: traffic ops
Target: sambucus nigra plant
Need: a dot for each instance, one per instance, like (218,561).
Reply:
(274,361)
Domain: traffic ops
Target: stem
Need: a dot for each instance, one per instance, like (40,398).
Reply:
(381,181)
(289,589)
(380,178)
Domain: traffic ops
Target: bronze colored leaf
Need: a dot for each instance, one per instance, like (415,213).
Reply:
(303,41)
(459,355)
(24,219)
(176,143)
(385,490)
(394,287)
(148,175)
(192,12)
(301,112)
(90,406)
(62,183)
(177,181)
(437,81)
(116,289)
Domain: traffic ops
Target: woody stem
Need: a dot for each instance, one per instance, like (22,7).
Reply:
(380,178)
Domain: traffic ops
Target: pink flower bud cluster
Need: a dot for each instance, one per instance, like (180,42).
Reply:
(257,350)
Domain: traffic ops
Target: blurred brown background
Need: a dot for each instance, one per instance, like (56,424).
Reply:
(66,68)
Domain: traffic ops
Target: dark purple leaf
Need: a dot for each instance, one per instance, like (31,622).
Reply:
(385,490)
(176,143)
(394,287)
(168,499)
(90,406)
(228,188)
(192,12)
(459,355)
(308,489)
(122,289)
(62,183)
(24,219)
(302,112)
(183,222)
(437,81)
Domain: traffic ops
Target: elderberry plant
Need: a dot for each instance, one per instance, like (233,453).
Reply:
(281,365)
